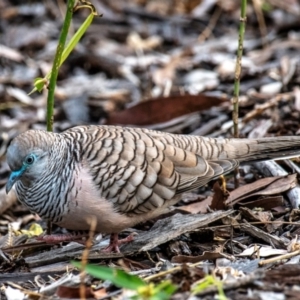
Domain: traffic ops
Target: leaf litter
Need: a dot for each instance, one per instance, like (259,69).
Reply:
(165,65)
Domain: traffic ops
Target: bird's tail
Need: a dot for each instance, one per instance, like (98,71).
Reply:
(243,150)
(269,148)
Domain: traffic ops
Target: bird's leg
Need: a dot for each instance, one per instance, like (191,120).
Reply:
(58,238)
(49,227)
(114,243)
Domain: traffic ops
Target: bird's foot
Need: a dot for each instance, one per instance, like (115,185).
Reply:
(58,238)
(114,243)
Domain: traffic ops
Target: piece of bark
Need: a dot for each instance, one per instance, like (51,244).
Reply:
(284,274)
(24,277)
(71,251)
(67,280)
(170,228)
(163,231)
(262,235)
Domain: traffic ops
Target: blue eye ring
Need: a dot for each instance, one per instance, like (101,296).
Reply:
(29,160)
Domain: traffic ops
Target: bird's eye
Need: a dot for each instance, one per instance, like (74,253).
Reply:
(29,159)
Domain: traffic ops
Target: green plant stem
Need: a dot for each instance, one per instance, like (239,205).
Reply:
(39,83)
(236,91)
(54,73)
(56,63)
(238,68)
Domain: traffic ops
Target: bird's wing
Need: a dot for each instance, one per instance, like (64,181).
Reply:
(138,172)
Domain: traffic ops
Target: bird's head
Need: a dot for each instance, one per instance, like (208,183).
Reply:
(27,157)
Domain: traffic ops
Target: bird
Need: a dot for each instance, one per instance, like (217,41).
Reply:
(122,176)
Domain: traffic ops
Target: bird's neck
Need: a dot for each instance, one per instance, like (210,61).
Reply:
(39,195)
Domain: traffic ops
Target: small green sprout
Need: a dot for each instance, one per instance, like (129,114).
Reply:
(208,281)
(144,291)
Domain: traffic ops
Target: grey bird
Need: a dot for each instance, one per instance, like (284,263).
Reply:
(122,176)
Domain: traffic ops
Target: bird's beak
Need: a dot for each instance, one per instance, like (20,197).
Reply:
(14,176)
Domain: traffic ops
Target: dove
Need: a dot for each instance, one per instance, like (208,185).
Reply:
(122,176)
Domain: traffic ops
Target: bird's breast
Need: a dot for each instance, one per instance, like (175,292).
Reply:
(85,203)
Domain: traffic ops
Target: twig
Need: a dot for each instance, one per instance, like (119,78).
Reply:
(252,223)
(261,22)
(211,25)
(259,109)
(279,258)
(85,255)
(170,271)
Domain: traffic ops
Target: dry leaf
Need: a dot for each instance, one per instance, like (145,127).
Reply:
(207,255)
(265,203)
(197,207)
(68,292)
(163,109)
(265,186)
(263,251)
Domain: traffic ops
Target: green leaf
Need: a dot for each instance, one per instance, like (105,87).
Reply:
(76,37)
(164,290)
(208,281)
(39,84)
(166,287)
(117,277)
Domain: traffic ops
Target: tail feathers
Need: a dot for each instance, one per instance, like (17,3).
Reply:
(271,148)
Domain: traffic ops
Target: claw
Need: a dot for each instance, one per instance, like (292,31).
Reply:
(114,243)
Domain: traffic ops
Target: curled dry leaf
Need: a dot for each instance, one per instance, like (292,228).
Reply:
(265,186)
(265,203)
(263,251)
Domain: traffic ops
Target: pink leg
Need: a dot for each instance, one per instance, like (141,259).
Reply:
(114,243)
(58,238)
